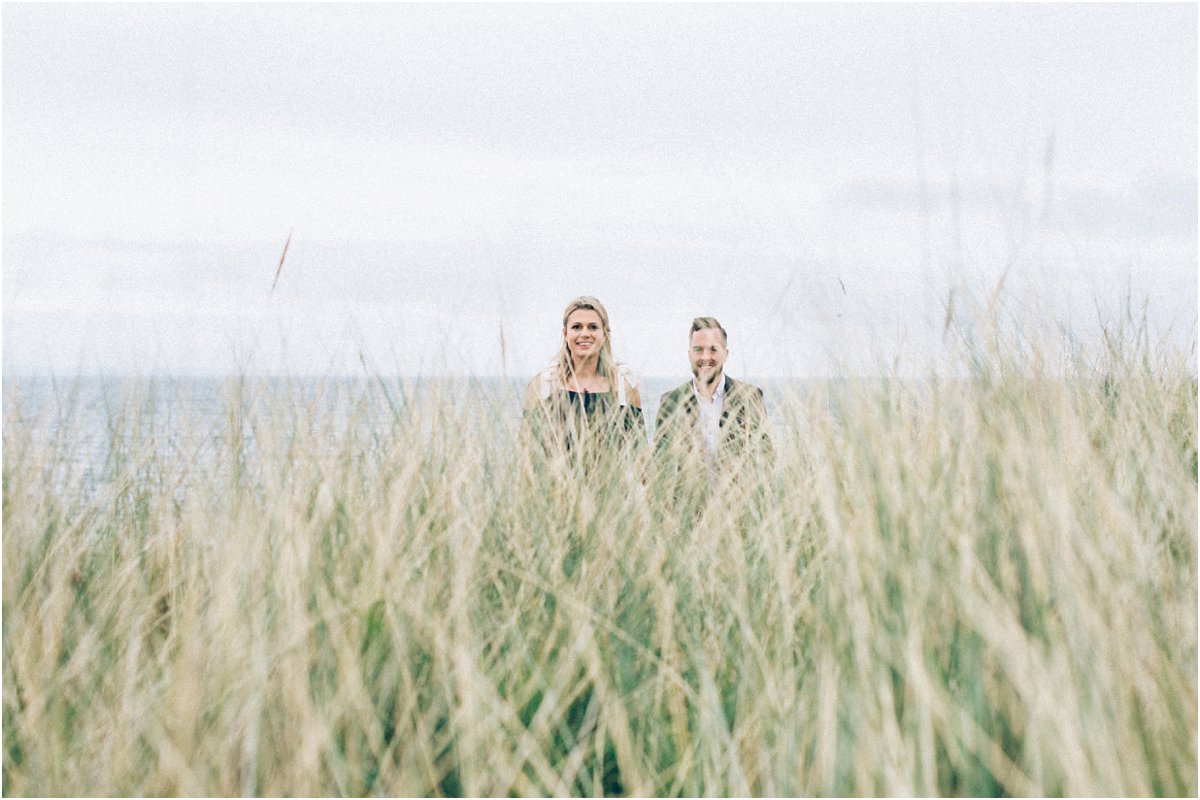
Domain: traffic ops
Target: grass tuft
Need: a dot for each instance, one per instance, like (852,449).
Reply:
(971,585)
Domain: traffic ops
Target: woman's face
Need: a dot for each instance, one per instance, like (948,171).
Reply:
(584,333)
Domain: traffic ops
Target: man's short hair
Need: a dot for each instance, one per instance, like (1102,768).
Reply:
(703,323)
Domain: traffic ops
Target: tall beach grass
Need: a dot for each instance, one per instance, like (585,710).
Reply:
(972,585)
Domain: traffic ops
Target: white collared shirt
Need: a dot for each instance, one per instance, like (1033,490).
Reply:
(710,416)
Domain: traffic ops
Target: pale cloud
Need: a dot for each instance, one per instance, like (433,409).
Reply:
(820,176)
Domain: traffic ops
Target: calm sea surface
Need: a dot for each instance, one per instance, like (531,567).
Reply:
(94,401)
(77,420)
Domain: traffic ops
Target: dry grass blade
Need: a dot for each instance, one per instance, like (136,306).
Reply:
(282,257)
(974,586)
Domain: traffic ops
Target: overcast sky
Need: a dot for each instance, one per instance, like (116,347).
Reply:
(820,178)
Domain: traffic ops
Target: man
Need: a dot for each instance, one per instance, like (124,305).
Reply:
(712,416)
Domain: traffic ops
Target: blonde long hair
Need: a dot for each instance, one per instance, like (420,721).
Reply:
(564,365)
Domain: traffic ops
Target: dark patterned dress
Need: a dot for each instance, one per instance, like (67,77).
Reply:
(585,423)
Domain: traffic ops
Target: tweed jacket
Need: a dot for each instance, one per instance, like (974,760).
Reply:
(743,428)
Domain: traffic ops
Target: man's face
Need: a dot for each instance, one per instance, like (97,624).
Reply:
(707,354)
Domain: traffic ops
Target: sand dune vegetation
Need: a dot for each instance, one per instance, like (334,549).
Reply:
(982,583)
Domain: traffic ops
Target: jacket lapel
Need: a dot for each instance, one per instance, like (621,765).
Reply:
(690,406)
(727,405)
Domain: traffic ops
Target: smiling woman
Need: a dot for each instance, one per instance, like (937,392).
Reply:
(584,397)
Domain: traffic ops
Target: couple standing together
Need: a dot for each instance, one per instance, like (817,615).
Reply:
(586,400)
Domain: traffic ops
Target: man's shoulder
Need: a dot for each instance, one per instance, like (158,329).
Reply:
(674,396)
(742,389)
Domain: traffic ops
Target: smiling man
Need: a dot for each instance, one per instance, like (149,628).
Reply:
(712,416)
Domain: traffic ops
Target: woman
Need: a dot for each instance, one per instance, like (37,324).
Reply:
(584,399)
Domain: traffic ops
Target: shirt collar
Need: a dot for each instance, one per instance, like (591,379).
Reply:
(719,394)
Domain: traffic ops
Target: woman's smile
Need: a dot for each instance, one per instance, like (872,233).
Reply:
(584,332)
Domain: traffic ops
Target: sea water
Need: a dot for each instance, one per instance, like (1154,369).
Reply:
(81,428)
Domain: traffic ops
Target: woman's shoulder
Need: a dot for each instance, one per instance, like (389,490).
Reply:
(627,375)
(627,387)
(542,386)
